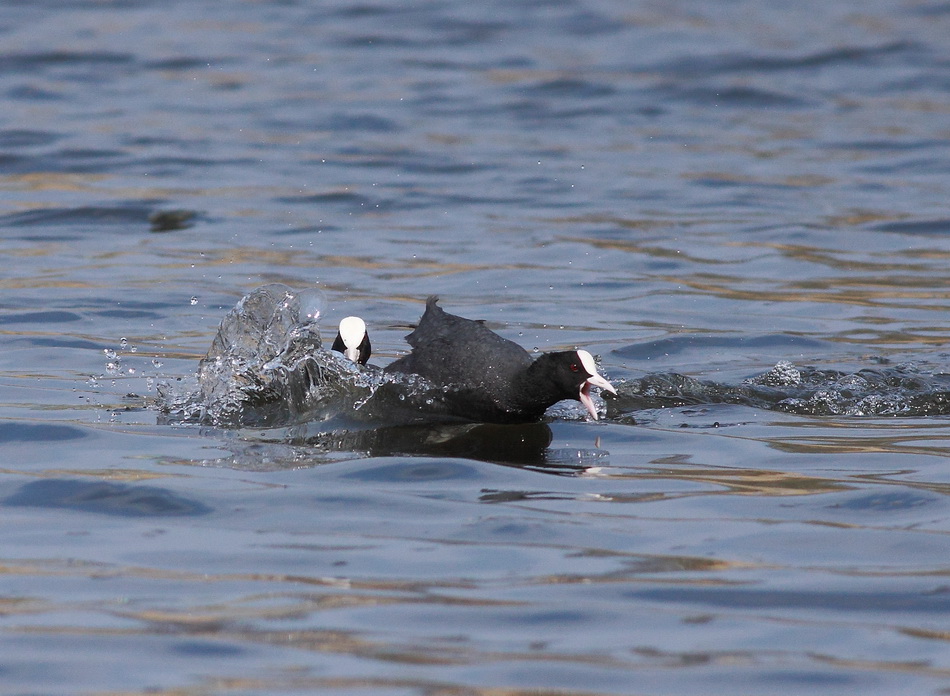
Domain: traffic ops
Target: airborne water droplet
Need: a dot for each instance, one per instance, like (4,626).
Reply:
(194,299)
(311,302)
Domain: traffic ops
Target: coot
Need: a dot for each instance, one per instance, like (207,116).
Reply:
(352,340)
(490,379)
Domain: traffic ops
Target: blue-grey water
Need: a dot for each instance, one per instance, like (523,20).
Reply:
(740,207)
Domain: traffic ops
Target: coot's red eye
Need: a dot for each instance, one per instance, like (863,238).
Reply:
(574,367)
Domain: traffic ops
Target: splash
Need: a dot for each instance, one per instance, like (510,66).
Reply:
(900,390)
(267,351)
(267,367)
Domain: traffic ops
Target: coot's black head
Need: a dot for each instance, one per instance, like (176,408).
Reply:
(570,375)
(353,341)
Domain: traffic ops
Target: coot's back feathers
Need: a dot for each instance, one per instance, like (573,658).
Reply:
(451,350)
(489,378)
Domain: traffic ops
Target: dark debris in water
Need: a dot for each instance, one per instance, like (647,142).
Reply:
(171,220)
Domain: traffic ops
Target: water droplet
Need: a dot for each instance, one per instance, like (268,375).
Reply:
(156,362)
(311,303)
(124,342)
(194,299)
(110,354)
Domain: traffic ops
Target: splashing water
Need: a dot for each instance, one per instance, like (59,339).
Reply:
(901,390)
(267,367)
(243,367)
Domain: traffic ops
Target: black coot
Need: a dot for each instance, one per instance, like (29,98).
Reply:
(489,378)
(352,340)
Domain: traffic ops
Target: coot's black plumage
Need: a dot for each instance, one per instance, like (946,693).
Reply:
(489,378)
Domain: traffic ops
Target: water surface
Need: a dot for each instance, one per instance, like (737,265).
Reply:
(696,193)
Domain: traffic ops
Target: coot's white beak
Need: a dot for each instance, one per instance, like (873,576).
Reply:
(595,380)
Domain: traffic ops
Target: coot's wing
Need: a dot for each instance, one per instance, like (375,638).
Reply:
(451,350)
(436,325)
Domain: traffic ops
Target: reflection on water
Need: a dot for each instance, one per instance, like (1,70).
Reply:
(504,444)
(313,444)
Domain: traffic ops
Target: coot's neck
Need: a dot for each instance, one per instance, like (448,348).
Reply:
(534,389)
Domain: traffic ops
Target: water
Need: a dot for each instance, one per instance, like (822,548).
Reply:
(741,208)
